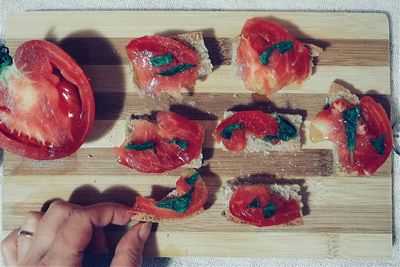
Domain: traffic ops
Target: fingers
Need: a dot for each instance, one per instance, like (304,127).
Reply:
(130,248)
(47,229)
(75,234)
(29,225)
(9,248)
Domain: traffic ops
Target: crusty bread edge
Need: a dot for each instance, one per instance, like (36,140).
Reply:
(195,40)
(231,184)
(256,145)
(144,217)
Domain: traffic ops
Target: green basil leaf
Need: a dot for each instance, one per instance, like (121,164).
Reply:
(350,117)
(282,47)
(191,180)
(142,146)
(286,130)
(181,143)
(176,70)
(5,59)
(264,57)
(379,144)
(161,60)
(228,130)
(254,204)
(178,204)
(269,210)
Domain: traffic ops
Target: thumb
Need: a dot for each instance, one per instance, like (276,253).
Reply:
(130,248)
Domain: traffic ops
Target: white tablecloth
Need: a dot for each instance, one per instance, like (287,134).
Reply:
(390,7)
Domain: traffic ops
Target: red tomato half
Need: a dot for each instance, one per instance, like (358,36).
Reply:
(372,124)
(256,123)
(199,198)
(165,155)
(147,76)
(257,36)
(46,103)
(285,210)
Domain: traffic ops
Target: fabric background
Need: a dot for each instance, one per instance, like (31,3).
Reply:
(390,7)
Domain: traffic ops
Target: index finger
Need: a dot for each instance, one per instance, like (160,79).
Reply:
(75,234)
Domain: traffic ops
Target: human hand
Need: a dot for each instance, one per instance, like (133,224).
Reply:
(60,236)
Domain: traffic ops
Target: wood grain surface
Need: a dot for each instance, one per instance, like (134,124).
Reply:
(345,216)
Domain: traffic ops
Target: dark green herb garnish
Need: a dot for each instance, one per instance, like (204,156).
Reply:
(228,130)
(161,60)
(142,146)
(350,117)
(181,143)
(5,58)
(269,210)
(178,204)
(264,57)
(286,130)
(254,204)
(191,180)
(379,144)
(176,70)
(282,47)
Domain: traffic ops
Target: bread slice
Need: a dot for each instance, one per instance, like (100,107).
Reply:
(257,145)
(194,164)
(336,92)
(195,40)
(144,217)
(281,191)
(315,51)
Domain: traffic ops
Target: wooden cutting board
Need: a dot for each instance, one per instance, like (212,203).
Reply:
(346,216)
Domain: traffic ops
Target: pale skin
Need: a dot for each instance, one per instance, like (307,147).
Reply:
(65,231)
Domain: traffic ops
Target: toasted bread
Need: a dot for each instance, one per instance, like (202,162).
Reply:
(260,146)
(195,41)
(282,191)
(144,217)
(194,164)
(336,92)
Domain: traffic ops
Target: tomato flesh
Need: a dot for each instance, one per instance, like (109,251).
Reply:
(286,210)
(372,124)
(46,103)
(199,198)
(293,66)
(168,156)
(147,76)
(256,123)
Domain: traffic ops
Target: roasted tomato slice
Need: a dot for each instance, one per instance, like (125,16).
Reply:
(269,58)
(373,136)
(189,199)
(154,148)
(46,103)
(232,131)
(254,204)
(162,64)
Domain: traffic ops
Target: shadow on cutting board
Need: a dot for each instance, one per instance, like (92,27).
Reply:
(93,52)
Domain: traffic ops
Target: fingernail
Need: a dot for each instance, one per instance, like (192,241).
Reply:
(145,231)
